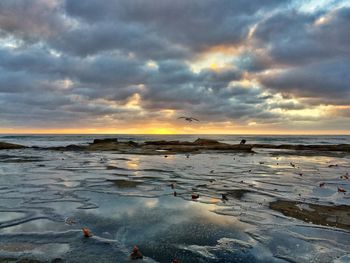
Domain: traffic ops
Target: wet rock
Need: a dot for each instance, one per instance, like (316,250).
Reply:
(57,260)
(341,190)
(133,144)
(162,142)
(332,147)
(107,140)
(7,146)
(332,165)
(157,147)
(337,216)
(237,193)
(125,183)
(70,221)
(86,232)
(195,196)
(26,260)
(23,260)
(200,141)
(136,254)
(71,147)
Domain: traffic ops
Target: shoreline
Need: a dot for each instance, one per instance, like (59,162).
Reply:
(177,147)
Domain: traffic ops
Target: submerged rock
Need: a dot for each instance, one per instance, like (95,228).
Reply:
(337,216)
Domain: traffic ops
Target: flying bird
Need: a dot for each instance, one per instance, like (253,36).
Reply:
(189,119)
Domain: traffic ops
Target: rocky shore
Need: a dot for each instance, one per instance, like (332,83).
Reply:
(158,147)
(174,147)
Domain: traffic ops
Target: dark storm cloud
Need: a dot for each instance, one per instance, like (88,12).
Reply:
(194,24)
(92,39)
(309,52)
(328,79)
(298,38)
(32,20)
(81,61)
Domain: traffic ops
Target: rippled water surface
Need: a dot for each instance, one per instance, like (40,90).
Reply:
(46,197)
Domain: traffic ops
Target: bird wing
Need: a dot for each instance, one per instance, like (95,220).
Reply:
(194,119)
(181,118)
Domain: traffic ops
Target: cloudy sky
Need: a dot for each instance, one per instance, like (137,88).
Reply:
(121,66)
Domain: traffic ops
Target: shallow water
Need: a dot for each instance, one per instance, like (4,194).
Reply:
(46,197)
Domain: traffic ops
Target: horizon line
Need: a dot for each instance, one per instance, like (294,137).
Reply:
(172,134)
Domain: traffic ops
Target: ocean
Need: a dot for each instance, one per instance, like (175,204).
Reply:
(267,206)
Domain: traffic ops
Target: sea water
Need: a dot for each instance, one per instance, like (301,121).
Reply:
(46,197)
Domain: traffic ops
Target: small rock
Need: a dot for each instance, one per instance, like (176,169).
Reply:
(224,197)
(136,254)
(86,232)
(341,190)
(195,196)
(69,221)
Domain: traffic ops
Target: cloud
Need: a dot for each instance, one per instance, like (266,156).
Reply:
(195,24)
(31,20)
(67,62)
(322,80)
(294,38)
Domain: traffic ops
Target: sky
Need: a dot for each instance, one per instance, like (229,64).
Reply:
(121,66)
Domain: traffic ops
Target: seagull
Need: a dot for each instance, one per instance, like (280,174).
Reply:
(189,119)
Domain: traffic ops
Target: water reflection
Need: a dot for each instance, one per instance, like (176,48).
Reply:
(132,203)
